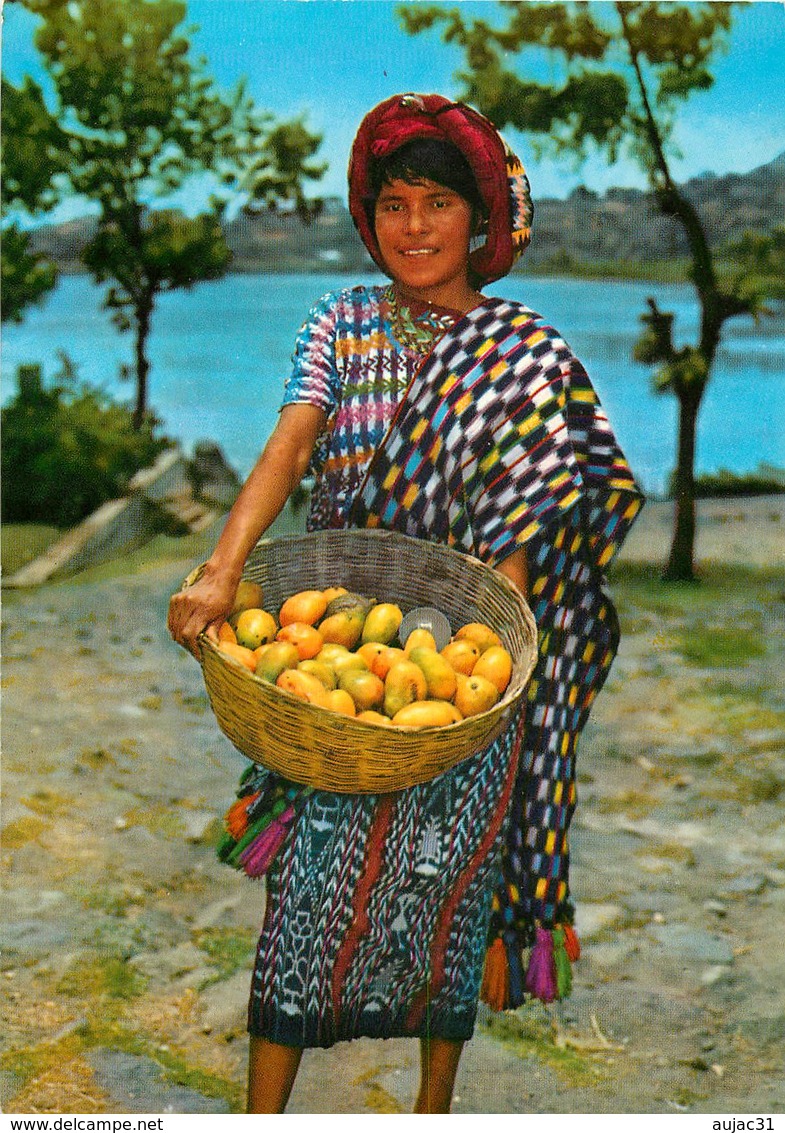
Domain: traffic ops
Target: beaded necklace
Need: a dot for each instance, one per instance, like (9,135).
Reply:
(418,331)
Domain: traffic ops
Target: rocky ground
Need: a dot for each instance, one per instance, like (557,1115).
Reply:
(127,947)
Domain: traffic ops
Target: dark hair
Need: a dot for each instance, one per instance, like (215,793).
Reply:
(428,159)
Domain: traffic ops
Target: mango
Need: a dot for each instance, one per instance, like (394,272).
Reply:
(404,684)
(439,674)
(304,685)
(382,622)
(475,695)
(366,690)
(481,634)
(278,656)
(248,596)
(417,638)
(351,602)
(368,716)
(495,663)
(343,628)
(339,659)
(427,714)
(338,700)
(254,628)
(321,671)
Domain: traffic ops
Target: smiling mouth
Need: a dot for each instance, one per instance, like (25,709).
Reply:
(419,251)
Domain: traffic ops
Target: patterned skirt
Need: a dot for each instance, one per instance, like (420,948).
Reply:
(378,908)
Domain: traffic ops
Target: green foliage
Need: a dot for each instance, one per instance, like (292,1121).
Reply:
(592,98)
(724,483)
(175,251)
(25,276)
(142,116)
(758,261)
(38,152)
(31,166)
(67,449)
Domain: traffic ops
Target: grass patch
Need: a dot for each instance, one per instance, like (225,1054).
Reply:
(529,1036)
(713,647)
(30,1063)
(21,831)
(229,950)
(23,542)
(670,852)
(636,804)
(45,801)
(104,977)
(157,819)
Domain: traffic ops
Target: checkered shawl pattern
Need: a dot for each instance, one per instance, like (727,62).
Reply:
(501,442)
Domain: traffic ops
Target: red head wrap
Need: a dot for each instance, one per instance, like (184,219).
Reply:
(501,179)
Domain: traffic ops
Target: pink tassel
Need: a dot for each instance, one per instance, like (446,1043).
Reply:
(541,972)
(257,858)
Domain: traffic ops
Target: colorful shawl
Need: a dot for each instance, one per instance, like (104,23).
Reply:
(501,442)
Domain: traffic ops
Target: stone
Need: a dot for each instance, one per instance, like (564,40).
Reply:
(31,938)
(747,885)
(591,919)
(693,943)
(224,1005)
(196,822)
(610,955)
(714,975)
(140,1085)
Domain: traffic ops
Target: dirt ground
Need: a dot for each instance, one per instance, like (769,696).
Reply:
(127,947)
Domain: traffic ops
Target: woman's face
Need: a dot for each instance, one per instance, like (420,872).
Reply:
(423,231)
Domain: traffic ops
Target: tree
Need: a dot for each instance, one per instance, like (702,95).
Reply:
(142,118)
(618,75)
(30,168)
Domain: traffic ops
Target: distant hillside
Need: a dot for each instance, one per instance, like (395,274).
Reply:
(620,226)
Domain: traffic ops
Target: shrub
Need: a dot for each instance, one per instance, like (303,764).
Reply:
(68,448)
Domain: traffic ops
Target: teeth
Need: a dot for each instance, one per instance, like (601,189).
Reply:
(420,252)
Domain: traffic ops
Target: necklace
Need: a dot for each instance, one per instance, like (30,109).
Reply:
(417,332)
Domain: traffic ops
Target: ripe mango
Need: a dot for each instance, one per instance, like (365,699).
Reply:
(475,695)
(368,716)
(304,685)
(382,622)
(404,684)
(277,656)
(495,663)
(339,659)
(249,595)
(481,634)
(427,714)
(343,628)
(366,690)
(338,700)
(321,671)
(439,674)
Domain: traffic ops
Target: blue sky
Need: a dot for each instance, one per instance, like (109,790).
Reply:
(334,59)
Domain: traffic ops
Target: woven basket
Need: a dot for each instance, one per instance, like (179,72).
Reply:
(337,753)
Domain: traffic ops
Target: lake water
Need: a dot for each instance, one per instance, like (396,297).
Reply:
(220,353)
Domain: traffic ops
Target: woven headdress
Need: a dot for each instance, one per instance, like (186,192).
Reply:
(500,176)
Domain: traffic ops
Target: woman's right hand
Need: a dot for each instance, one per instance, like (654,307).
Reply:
(200,608)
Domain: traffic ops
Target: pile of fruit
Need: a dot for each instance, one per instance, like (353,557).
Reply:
(341,651)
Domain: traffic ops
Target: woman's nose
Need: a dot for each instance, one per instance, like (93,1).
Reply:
(416,220)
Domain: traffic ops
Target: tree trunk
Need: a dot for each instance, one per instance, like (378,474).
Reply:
(680,561)
(143,314)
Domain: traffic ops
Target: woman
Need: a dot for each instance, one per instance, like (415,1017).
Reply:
(427,407)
